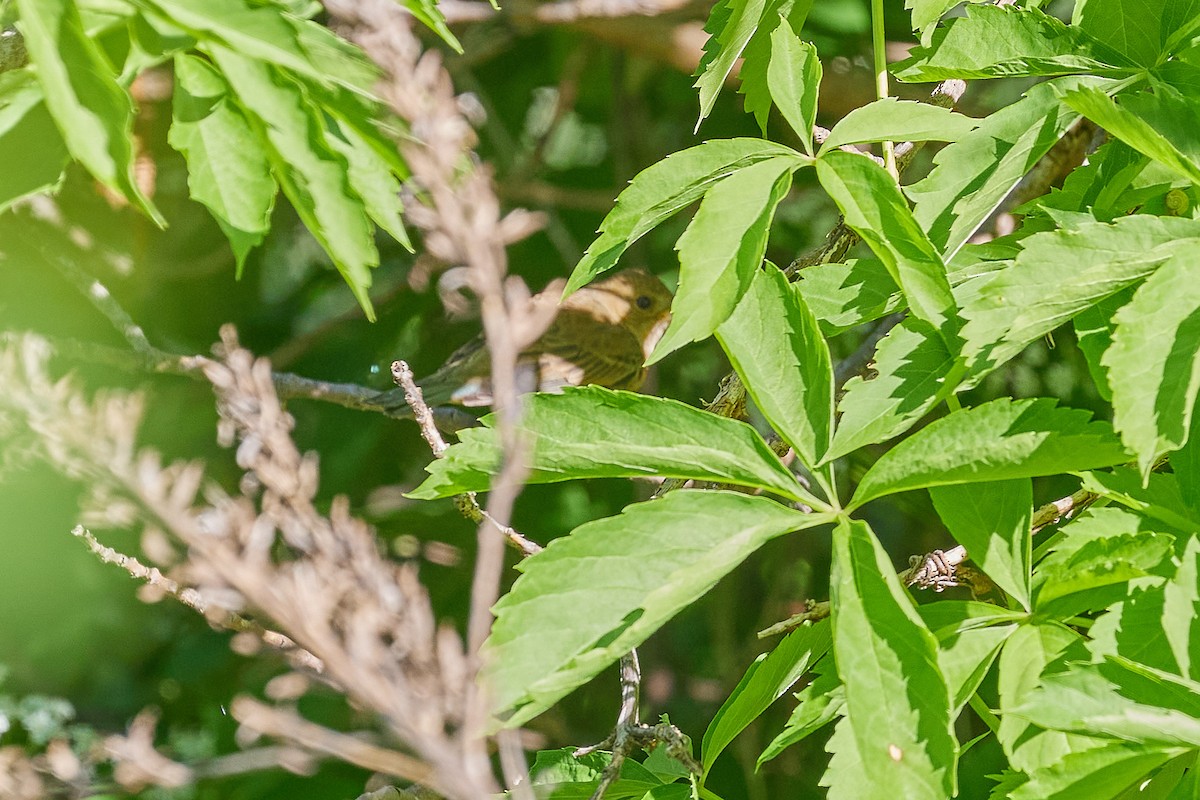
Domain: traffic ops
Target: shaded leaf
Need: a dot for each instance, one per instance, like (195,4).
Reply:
(26,127)
(820,703)
(773,342)
(1154,361)
(992,520)
(588,598)
(765,681)
(793,78)
(874,207)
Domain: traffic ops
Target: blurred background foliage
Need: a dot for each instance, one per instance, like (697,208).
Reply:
(567,115)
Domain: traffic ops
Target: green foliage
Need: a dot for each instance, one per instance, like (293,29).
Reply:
(1077,659)
(265,99)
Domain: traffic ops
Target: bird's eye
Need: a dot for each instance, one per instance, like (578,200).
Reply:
(643,302)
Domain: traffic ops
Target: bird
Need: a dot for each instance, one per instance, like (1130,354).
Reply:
(602,334)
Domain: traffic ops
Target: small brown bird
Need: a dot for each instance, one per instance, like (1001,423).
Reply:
(600,334)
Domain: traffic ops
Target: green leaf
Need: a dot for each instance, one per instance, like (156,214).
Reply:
(1154,362)
(1103,549)
(1118,699)
(1099,773)
(313,174)
(431,17)
(846,775)
(588,598)
(659,191)
(92,111)
(1000,440)
(1133,123)
(757,55)
(371,177)
(1134,28)
(992,520)
(969,636)
(1181,611)
(228,168)
(793,78)
(1022,659)
(1094,328)
(912,368)
(1004,42)
(26,127)
(821,702)
(845,294)
(973,175)
(896,699)
(1084,266)
(592,432)
(562,775)
(1158,498)
(891,119)
(874,207)
(768,678)
(262,34)
(722,248)
(774,343)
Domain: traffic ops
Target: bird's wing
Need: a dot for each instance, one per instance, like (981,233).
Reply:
(604,354)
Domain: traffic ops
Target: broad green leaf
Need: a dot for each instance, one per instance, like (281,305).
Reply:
(1084,266)
(874,207)
(898,120)
(228,168)
(925,15)
(793,78)
(969,635)
(1181,611)
(1128,123)
(93,112)
(1134,28)
(1004,42)
(973,175)
(896,699)
(313,174)
(846,776)
(1022,659)
(1000,440)
(26,127)
(1133,627)
(1185,464)
(628,574)
(844,294)
(1118,699)
(768,678)
(592,432)
(1154,361)
(820,703)
(722,248)
(659,191)
(1099,773)
(1103,549)
(1094,328)
(260,33)
(1158,498)
(992,520)
(774,343)
(913,367)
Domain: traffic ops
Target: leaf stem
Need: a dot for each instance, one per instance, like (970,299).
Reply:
(879,53)
(985,713)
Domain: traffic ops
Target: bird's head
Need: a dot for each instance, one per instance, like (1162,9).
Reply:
(634,299)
